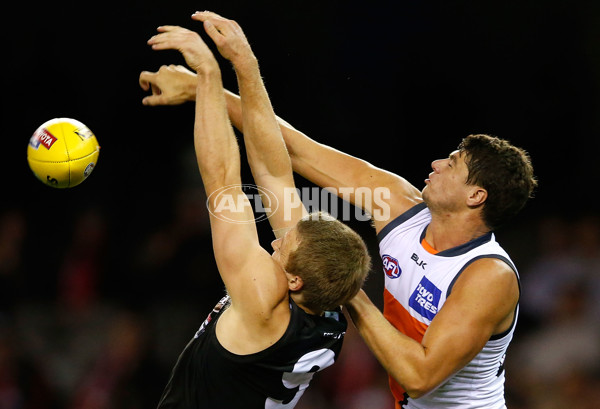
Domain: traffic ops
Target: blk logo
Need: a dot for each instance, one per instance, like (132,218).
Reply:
(420,263)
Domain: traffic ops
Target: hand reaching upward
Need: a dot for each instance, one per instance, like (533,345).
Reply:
(195,51)
(227,36)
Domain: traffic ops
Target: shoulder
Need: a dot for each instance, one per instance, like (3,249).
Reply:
(489,286)
(491,268)
(482,304)
(488,272)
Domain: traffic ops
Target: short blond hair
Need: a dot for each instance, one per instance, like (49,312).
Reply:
(332,260)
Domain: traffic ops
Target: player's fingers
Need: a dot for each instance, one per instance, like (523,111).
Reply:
(162,36)
(203,15)
(163,32)
(167,28)
(146,78)
(179,68)
(163,41)
(172,38)
(153,100)
(218,21)
(212,31)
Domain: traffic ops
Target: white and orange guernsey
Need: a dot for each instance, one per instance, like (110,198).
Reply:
(417,282)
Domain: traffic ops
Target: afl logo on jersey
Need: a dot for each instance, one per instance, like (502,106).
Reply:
(390,266)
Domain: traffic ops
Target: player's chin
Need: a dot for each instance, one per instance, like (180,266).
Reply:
(425,193)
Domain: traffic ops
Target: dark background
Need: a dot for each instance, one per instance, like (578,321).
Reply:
(397,83)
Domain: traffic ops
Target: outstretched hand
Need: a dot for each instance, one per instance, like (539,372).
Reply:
(171,85)
(175,84)
(195,51)
(227,36)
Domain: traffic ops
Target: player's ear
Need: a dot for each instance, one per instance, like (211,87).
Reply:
(477,196)
(295,283)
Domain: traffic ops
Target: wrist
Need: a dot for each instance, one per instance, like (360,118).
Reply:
(190,88)
(358,304)
(207,70)
(246,67)
(207,78)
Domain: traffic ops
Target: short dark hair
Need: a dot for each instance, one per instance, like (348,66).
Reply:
(504,171)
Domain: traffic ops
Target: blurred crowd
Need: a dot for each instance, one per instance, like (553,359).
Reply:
(100,325)
(555,361)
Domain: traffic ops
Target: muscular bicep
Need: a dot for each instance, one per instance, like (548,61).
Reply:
(482,303)
(249,273)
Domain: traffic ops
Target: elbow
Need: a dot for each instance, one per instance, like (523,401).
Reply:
(416,387)
(416,393)
(417,390)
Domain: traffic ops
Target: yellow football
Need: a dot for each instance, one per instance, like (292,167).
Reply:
(62,152)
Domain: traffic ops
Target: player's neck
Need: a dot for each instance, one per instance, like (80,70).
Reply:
(298,300)
(448,231)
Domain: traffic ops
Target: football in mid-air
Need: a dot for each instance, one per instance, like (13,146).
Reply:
(62,152)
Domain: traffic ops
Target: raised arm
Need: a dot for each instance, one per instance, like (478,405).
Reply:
(321,164)
(326,166)
(254,281)
(267,155)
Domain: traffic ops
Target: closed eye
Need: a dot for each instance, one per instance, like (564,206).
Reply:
(452,158)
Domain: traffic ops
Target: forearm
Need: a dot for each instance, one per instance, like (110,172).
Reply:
(188,84)
(292,137)
(265,147)
(234,109)
(316,162)
(216,148)
(401,356)
(321,164)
